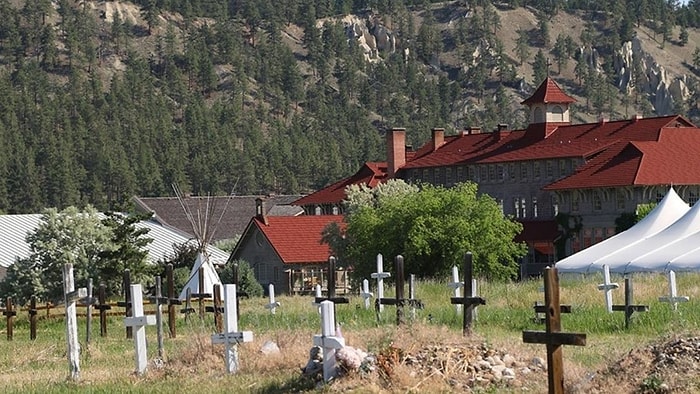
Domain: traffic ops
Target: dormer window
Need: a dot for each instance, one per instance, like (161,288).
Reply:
(557,114)
(538,115)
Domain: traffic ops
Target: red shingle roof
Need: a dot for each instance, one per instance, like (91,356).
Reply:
(549,92)
(297,239)
(370,174)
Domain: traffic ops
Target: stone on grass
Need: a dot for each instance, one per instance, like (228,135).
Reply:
(269,347)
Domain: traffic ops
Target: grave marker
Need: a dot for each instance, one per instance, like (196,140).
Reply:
(187,310)
(319,296)
(70,297)
(126,285)
(399,301)
(231,337)
(273,305)
(365,293)
(456,285)
(172,301)
(552,336)
(470,302)
(217,308)
(103,306)
(607,287)
(32,318)
(88,301)
(331,286)
(139,321)
(629,308)
(380,275)
(673,298)
(328,340)
(10,314)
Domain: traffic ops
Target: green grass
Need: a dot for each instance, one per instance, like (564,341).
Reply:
(193,364)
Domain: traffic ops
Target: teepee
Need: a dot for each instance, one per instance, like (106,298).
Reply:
(203,230)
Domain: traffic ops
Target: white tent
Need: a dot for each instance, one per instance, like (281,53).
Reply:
(211,278)
(668,211)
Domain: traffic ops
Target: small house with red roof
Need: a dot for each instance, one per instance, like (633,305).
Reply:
(586,175)
(287,251)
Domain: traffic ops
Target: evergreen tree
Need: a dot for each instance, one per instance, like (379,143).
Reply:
(540,68)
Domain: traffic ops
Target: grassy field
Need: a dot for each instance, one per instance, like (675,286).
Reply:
(191,363)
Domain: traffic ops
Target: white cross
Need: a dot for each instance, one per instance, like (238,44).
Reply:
(607,287)
(474,294)
(328,340)
(673,297)
(319,294)
(231,337)
(380,275)
(365,294)
(138,321)
(71,296)
(456,285)
(273,305)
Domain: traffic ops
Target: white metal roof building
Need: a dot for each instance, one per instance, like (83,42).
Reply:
(14,229)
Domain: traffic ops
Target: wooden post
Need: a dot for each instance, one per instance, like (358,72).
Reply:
(272,305)
(172,301)
(331,286)
(399,301)
(467,300)
(32,318)
(217,309)
(553,337)
(71,296)
(629,308)
(159,316)
(365,293)
(607,287)
(187,310)
(103,307)
(10,314)
(380,275)
(126,285)
(139,321)
(328,340)
(673,298)
(231,337)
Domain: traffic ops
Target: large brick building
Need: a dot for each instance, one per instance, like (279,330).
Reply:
(590,174)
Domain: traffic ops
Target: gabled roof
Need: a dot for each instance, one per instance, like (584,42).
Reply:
(549,92)
(297,239)
(370,174)
(237,211)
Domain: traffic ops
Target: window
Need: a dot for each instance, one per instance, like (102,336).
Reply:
(621,200)
(557,114)
(511,171)
(563,167)
(500,204)
(597,202)
(460,174)
(534,207)
(536,170)
(492,173)
(472,173)
(516,206)
(484,176)
(438,176)
(555,206)
(550,169)
(448,177)
(523,207)
(597,234)
(499,173)
(539,115)
(335,210)
(523,172)
(692,198)
(574,202)
(424,178)
(317,210)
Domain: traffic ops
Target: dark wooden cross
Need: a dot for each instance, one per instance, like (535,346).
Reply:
(217,309)
(399,301)
(172,300)
(629,308)
(32,318)
(201,295)
(126,285)
(103,306)
(10,314)
(541,311)
(331,287)
(88,301)
(552,336)
(187,310)
(468,300)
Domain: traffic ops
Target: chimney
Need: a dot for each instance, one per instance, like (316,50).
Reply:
(438,138)
(502,127)
(260,210)
(395,150)
(603,120)
(474,130)
(636,117)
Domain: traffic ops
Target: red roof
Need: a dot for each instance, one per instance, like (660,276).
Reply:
(297,239)
(672,159)
(370,174)
(549,92)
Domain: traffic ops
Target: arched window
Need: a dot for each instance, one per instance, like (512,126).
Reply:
(557,113)
(539,115)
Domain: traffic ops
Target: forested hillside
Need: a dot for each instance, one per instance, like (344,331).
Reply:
(101,100)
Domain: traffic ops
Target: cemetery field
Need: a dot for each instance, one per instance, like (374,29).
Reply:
(427,354)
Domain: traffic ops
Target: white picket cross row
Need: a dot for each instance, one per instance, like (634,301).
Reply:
(365,293)
(273,305)
(673,298)
(231,337)
(328,340)
(456,285)
(607,287)
(71,296)
(380,275)
(139,321)
(319,294)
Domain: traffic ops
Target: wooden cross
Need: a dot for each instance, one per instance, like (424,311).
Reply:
(607,287)
(32,318)
(10,314)
(201,295)
(399,301)
(88,301)
(365,293)
(468,300)
(217,308)
(331,286)
(231,337)
(103,306)
(328,340)
(673,298)
(126,285)
(380,275)
(172,301)
(70,297)
(272,305)
(456,285)
(187,310)
(552,336)
(139,321)
(629,308)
